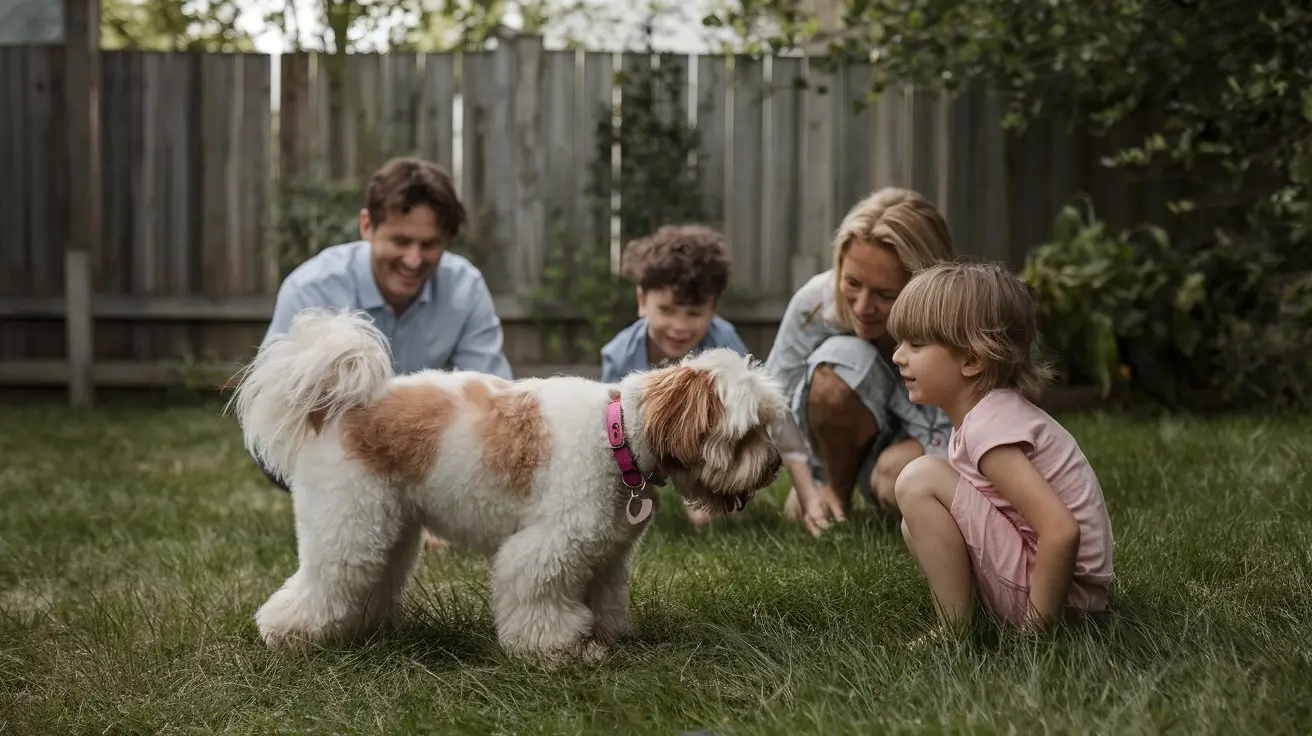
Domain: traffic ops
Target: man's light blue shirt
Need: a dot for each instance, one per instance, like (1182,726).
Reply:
(453,320)
(627,351)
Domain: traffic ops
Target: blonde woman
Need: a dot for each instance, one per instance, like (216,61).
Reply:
(853,425)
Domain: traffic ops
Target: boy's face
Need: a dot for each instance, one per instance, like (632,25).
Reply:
(673,329)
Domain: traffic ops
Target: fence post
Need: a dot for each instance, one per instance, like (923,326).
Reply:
(78,325)
(82,93)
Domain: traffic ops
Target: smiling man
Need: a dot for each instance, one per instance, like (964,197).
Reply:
(433,306)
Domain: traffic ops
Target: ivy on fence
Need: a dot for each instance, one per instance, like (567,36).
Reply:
(659,181)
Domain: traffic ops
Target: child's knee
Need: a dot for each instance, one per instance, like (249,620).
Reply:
(924,477)
(883,478)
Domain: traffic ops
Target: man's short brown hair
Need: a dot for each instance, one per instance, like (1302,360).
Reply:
(690,260)
(407,182)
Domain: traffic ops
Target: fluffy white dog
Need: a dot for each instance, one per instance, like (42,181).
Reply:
(552,479)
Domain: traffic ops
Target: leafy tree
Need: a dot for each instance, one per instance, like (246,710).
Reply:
(1215,310)
(1232,78)
(173,25)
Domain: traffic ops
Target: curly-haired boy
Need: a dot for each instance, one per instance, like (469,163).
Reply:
(680,272)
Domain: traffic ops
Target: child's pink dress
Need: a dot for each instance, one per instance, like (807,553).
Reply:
(1001,543)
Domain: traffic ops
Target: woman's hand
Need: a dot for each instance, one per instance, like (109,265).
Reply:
(820,508)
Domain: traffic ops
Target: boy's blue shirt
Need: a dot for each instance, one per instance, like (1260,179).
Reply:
(627,351)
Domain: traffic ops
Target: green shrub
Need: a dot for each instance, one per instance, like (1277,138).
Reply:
(1224,324)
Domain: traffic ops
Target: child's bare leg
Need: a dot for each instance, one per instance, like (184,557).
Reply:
(698,517)
(925,490)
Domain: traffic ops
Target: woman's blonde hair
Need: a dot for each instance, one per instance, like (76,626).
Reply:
(978,309)
(900,220)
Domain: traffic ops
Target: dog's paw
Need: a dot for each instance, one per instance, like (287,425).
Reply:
(594,651)
(280,640)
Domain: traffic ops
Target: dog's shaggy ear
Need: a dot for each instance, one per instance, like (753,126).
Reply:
(680,408)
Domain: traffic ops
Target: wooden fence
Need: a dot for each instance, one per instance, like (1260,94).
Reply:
(194,152)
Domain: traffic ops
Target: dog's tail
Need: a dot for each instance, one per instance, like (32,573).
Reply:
(326,364)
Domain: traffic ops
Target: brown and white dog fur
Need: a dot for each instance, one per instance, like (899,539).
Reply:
(518,471)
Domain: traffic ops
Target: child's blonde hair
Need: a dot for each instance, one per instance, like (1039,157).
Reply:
(978,309)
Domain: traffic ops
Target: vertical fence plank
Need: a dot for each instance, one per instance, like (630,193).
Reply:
(369,140)
(168,342)
(631,64)
(33,221)
(400,91)
(145,246)
(673,105)
(713,121)
(294,117)
(854,133)
(527,243)
(978,200)
(779,176)
(14,134)
(818,211)
(925,148)
(595,101)
(113,274)
(561,171)
(78,326)
(500,175)
(115,107)
(435,132)
(252,171)
(742,220)
(181,194)
(889,139)
(326,160)
(42,188)
(220,94)
(475,96)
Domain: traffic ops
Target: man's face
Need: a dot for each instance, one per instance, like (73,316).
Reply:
(404,250)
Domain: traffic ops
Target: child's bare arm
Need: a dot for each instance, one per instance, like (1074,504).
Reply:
(1016,479)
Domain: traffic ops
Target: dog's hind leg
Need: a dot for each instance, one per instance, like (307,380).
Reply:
(538,581)
(356,544)
(400,564)
(608,597)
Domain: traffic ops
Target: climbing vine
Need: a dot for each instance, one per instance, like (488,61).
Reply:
(659,182)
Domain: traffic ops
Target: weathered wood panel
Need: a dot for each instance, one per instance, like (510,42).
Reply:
(190,175)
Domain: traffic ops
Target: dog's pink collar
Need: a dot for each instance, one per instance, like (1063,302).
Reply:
(639,507)
(619,447)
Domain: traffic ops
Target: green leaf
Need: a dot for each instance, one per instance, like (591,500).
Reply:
(1101,352)
(1191,293)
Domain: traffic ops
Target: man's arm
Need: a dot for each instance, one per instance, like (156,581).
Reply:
(481,341)
(291,299)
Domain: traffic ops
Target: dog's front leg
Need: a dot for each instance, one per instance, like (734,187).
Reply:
(356,549)
(608,597)
(538,580)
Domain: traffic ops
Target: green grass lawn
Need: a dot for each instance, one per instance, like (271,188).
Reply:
(135,545)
